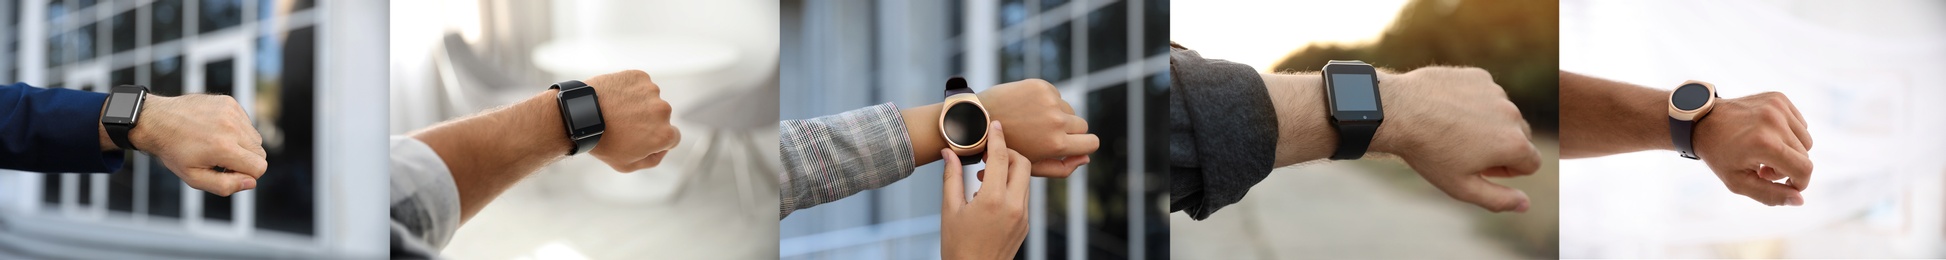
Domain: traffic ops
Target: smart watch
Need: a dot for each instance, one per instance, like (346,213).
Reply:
(124,108)
(581,112)
(963,121)
(1351,91)
(1687,105)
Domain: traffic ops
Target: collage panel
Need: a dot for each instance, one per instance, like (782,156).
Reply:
(1365,129)
(874,90)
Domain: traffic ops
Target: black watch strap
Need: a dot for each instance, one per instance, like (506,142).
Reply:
(1680,132)
(955,86)
(581,144)
(1353,140)
(119,133)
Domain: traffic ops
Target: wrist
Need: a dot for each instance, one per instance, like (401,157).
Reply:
(1401,112)
(922,131)
(144,134)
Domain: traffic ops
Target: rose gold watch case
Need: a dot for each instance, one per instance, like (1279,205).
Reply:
(1691,115)
(976,146)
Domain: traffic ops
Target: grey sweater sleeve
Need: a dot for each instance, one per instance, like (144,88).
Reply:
(832,157)
(1222,132)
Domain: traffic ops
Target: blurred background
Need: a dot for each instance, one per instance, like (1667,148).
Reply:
(275,58)
(1380,208)
(1108,59)
(1865,75)
(714,196)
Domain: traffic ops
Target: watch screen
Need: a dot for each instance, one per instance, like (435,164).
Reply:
(1690,97)
(122,105)
(964,124)
(586,111)
(1353,92)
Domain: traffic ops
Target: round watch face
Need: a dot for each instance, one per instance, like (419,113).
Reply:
(1690,97)
(964,124)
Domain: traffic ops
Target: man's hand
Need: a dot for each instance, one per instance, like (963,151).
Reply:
(1456,127)
(1752,141)
(994,223)
(1749,142)
(207,140)
(638,133)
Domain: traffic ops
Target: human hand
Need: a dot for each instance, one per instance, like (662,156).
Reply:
(207,140)
(993,224)
(1057,140)
(1455,127)
(1752,141)
(638,133)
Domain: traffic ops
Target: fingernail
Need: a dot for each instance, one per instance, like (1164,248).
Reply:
(945,153)
(1522,208)
(247,184)
(1794,201)
(996,125)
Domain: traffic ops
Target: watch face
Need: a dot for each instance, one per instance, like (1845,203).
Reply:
(1690,97)
(964,124)
(583,110)
(121,108)
(1354,92)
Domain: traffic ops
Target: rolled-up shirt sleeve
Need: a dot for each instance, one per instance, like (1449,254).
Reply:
(1222,132)
(831,157)
(425,201)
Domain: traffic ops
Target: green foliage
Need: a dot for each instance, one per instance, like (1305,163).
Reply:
(1515,40)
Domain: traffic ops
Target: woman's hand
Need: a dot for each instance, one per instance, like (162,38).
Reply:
(992,224)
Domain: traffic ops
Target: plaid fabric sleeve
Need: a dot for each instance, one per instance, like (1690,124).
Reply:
(831,157)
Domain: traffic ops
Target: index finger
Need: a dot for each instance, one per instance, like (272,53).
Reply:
(955,188)
(1018,189)
(998,157)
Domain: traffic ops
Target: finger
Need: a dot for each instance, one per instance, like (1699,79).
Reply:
(1769,174)
(1793,164)
(955,187)
(1478,191)
(236,159)
(1742,182)
(1076,124)
(1798,125)
(219,183)
(1081,144)
(1059,168)
(1017,189)
(997,158)
(1522,160)
(653,160)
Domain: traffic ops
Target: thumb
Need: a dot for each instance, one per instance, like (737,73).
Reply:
(1488,195)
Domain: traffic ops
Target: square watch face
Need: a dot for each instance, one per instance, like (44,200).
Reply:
(1353,93)
(121,108)
(582,110)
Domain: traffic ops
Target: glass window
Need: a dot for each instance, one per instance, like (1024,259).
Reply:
(219,14)
(1155,27)
(1013,62)
(55,50)
(1012,12)
(165,190)
(219,78)
(1051,4)
(955,11)
(1055,55)
(123,27)
(1108,36)
(166,20)
(122,76)
(165,76)
(85,43)
(55,10)
(284,72)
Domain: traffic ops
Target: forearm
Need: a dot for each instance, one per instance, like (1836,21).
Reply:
(1602,117)
(922,128)
(1304,131)
(489,152)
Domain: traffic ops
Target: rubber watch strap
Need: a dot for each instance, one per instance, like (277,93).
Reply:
(1680,132)
(955,86)
(583,144)
(1353,140)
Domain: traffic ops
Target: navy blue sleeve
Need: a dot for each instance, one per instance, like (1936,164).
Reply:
(52,130)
